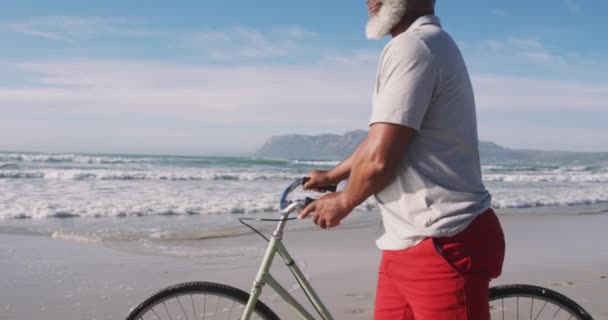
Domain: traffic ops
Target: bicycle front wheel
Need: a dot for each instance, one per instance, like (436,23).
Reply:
(514,302)
(198,300)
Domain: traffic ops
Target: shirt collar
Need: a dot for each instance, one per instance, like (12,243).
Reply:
(428,19)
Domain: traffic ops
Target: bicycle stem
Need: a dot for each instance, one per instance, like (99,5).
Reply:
(278,232)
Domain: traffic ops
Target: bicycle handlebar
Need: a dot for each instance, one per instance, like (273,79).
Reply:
(284,203)
(326,188)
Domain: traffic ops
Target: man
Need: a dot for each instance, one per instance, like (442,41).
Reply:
(442,243)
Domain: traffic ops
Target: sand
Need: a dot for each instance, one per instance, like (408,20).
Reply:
(52,279)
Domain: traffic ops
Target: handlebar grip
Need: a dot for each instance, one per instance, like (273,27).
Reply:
(326,188)
(308,201)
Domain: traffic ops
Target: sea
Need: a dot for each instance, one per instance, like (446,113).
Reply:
(153,200)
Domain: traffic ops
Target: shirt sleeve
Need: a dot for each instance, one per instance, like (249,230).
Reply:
(406,83)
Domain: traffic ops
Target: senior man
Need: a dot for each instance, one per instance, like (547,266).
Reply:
(442,243)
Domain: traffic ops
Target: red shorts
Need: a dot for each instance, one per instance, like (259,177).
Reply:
(442,278)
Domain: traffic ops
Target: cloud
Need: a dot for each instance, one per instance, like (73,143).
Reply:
(236,43)
(521,94)
(242,43)
(222,94)
(296,32)
(243,104)
(515,50)
(357,57)
(72,28)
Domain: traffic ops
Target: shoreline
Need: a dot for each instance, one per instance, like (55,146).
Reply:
(45,278)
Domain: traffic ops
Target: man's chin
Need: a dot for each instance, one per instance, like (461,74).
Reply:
(376,29)
(389,15)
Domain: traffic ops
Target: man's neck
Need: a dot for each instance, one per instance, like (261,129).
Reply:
(406,23)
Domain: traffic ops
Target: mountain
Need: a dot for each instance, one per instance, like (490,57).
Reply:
(320,147)
(337,147)
(493,153)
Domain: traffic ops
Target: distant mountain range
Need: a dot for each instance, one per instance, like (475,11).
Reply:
(320,147)
(337,147)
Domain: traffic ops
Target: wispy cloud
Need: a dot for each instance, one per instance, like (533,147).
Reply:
(514,51)
(245,104)
(72,28)
(239,94)
(226,44)
(296,32)
(223,95)
(242,43)
(521,94)
(357,57)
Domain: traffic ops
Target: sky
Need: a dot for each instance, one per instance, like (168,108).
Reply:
(220,77)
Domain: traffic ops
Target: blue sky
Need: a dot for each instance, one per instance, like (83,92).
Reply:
(219,77)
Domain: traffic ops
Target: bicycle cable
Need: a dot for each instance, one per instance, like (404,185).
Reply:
(242,221)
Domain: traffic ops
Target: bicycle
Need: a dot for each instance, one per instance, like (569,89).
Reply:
(208,300)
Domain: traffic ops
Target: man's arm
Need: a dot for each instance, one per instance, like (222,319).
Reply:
(372,167)
(321,178)
(376,164)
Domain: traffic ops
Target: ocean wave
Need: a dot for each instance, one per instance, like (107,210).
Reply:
(315,162)
(73,236)
(563,176)
(540,168)
(186,175)
(167,207)
(69,158)
(535,203)
(8,166)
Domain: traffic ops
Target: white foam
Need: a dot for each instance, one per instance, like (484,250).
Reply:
(565,195)
(71,236)
(72,158)
(158,174)
(315,163)
(554,176)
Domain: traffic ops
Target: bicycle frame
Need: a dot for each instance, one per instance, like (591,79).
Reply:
(264,277)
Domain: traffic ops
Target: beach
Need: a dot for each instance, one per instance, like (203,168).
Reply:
(69,279)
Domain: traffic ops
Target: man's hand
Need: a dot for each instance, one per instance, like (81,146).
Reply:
(327,211)
(318,180)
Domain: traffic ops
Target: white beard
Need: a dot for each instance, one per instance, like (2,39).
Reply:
(390,14)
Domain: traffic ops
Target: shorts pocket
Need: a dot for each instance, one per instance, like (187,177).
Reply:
(453,254)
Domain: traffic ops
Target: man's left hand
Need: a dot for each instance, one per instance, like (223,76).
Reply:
(327,211)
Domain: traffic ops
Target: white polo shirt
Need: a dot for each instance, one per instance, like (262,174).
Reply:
(423,83)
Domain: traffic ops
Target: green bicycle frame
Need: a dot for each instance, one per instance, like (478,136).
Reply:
(264,277)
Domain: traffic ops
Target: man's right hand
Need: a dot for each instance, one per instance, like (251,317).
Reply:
(319,179)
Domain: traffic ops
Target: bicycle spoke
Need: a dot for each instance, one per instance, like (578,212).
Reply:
(217,306)
(531,308)
(231,310)
(541,310)
(154,313)
(503,308)
(193,309)
(166,309)
(556,312)
(182,307)
(205,306)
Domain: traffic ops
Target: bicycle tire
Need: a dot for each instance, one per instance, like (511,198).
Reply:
(171,296)
(546,296)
